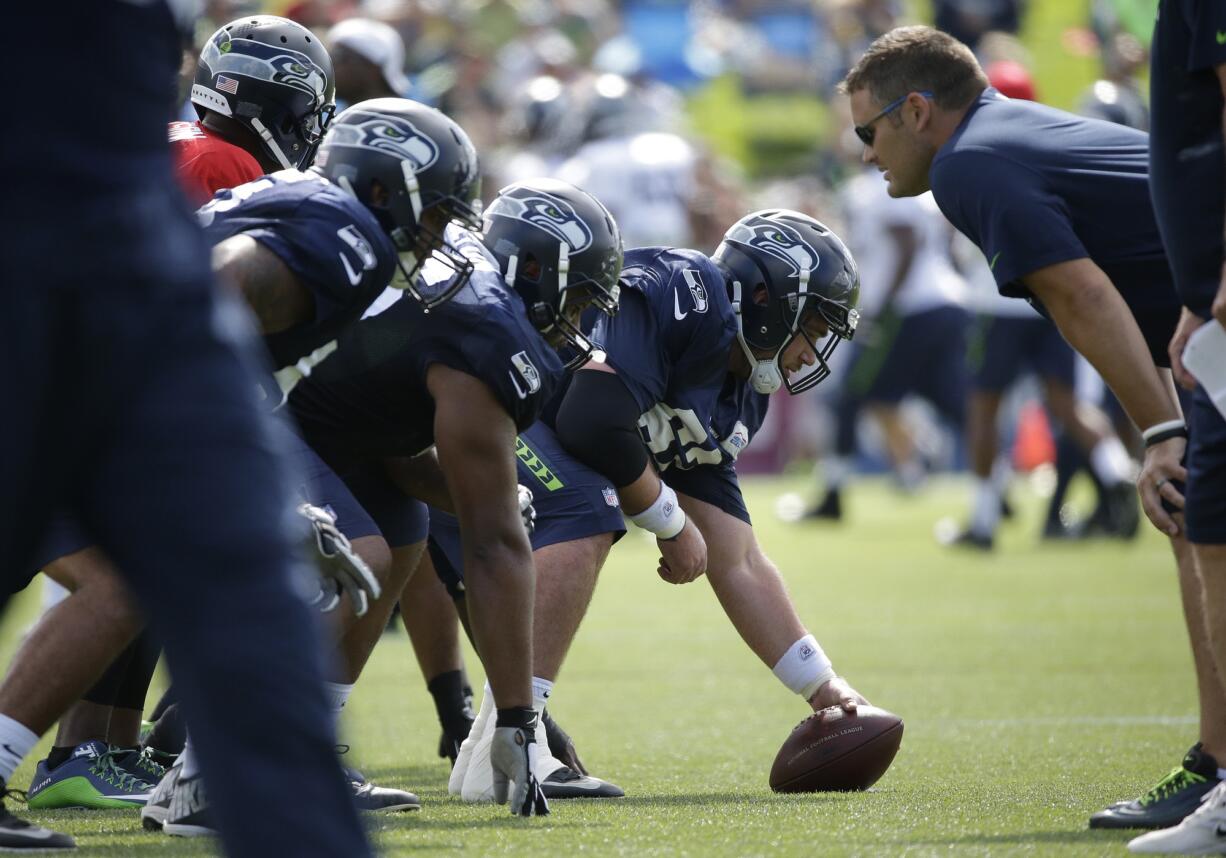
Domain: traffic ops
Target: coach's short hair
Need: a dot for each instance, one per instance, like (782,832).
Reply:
(911,59)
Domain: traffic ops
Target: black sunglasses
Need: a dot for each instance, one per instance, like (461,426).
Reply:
(867,133)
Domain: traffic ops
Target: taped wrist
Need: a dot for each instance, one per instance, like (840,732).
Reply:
(664,517)
(597,423)
(804,668)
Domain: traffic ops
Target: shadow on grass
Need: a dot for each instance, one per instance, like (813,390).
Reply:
(727,798)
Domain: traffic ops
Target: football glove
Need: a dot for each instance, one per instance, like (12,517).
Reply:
(513,757)
(341,569)
(561,745)
(526,510)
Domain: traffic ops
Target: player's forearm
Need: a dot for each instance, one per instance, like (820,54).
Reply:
(641,493)
(499,580)
(1093,317)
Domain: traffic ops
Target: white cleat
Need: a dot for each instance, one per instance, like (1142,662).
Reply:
(555,778)
(463,760)
(1202,832)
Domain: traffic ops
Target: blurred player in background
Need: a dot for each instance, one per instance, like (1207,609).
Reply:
(915,342)
(1059,205)
(1188,79)
(134,412)
(626,156)
(369,60)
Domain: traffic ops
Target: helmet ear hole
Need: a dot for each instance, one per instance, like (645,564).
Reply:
(530,269)
(380,197)
(761,295)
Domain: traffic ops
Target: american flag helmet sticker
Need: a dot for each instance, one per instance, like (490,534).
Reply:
(227,84)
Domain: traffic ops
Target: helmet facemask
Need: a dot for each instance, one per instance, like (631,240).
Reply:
(795,313)
(556,310)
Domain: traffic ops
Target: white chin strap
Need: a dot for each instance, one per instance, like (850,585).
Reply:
(765,376)
(266,136)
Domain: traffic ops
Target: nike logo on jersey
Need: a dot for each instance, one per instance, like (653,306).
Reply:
(677,314)
(992,264)
(355,277)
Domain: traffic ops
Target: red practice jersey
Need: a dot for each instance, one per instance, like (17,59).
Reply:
(205,163)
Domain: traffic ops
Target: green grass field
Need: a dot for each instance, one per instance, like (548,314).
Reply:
(1036,684)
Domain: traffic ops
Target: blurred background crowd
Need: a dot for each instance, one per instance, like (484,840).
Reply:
(682,115)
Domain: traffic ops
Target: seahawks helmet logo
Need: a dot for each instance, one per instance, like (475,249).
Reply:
(547,212)
(258,61)
(392,135)
(778,240)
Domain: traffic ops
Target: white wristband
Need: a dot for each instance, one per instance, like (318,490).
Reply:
(1162,427)
(805,668)
(664,517)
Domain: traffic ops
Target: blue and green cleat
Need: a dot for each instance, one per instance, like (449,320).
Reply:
(92,778)
(1169,801)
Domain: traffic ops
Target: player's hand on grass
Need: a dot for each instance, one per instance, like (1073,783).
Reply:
(561,745)
(342,570)
(513,756)
(1159,471)
(837,692)
(684,557)
(1188,323)
(526,510)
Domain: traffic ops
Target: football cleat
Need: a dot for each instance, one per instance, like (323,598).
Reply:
(568,783)
(142,764)
(557,780)
(91,778)
(1202,832)
(369,797)
(463,760)
(958,537)
(153,814)
(17,835)
(830,507)
(188,814)
(1169,801)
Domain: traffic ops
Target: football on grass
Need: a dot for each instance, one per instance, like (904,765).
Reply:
(835,751)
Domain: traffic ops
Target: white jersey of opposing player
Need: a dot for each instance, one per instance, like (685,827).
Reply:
(932,280)
(984,297)
(646,181)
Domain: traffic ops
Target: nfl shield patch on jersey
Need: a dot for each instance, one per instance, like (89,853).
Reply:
(610,497)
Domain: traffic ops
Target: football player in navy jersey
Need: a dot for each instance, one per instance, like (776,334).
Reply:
(308,257)
(463,380)
(689,360)
(133,410)
(1060,206)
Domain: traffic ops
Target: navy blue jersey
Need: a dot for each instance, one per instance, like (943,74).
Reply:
(1033,186)
(329,240)
(99,169)
(1186,158)
(670,342)
(369,398)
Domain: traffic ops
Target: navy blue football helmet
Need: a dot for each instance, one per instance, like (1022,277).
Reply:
(417,171)
(789,275)
(561,250)
(273,77)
